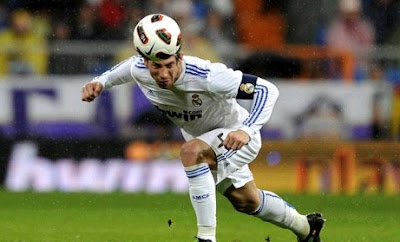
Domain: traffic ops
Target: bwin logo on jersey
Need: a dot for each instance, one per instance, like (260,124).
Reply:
(186,115)
(196,101)
(200,197)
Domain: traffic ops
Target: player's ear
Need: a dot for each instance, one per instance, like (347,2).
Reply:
(179,56)
(146,62)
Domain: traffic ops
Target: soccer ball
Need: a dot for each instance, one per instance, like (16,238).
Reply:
(157,37)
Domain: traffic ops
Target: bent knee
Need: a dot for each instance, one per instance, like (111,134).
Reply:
(246,206)
(245,199)
(196,151)
(190,149)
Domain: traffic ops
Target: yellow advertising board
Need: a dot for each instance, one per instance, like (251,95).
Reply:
(330,167)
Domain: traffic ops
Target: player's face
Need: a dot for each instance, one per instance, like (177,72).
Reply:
(165,72)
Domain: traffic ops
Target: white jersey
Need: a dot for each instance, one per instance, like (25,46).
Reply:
(202,99)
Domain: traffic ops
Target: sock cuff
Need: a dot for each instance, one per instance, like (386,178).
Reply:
(206,232)
(197,170)
(262,203)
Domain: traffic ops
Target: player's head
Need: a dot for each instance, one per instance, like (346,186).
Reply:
(157,37)
(165,72)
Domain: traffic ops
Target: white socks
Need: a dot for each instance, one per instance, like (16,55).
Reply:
(272,208)
(275,210)
(202,196)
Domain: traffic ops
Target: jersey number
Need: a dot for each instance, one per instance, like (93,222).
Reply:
(220,138)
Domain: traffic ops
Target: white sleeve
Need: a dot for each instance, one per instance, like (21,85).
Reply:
(264,100)
(117,75)
(224,81)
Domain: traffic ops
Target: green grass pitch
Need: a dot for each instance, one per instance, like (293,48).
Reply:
(142,217)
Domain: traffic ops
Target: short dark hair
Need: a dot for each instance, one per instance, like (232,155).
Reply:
(161,55)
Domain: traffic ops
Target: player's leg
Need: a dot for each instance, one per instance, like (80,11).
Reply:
(271,208)
(267,206)
(198,159)
(199,156)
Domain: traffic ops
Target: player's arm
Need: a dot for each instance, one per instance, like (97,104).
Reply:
(117,75)
(264,95)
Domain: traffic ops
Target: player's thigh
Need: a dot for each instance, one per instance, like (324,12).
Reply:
(215,138)
(230,162)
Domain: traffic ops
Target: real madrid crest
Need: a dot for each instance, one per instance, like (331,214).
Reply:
(196,101)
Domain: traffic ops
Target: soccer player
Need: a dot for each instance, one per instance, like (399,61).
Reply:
(222,137)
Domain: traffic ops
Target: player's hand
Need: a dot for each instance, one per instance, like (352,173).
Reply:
(91,90)
(235,140)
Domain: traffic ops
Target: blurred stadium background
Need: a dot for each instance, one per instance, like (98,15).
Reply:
(335,128)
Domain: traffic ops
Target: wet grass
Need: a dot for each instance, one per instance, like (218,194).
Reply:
(143,217)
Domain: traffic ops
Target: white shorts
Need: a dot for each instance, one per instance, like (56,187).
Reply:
(232,165)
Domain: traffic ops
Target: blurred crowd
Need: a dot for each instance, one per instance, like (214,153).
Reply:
(311,40)
(350,40)
(34,33)
(283,34)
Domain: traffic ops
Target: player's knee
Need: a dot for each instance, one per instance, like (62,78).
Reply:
(194,152)
(246,205)
(242,202)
